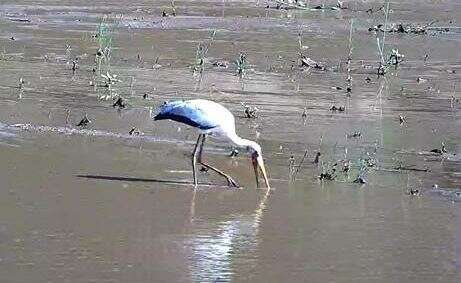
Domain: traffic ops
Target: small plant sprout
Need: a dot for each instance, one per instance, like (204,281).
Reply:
(300,42)
(363,169)
(173,8)
(242,64)
(346,166)
(74,65)
(304,114)
(402,119)
(110,79)
(395,57)
(156,64)
(173,11)
(340,4)
(199,65)
(200,54)
(21,87)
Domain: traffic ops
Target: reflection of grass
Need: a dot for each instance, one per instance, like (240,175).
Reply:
(3,55)
(104,38)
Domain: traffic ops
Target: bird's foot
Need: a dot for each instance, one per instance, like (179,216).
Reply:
(232,183)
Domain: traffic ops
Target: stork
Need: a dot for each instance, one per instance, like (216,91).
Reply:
(212,119)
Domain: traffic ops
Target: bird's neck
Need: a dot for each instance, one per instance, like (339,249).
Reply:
(240,142)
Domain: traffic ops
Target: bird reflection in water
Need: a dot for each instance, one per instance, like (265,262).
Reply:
(213,253)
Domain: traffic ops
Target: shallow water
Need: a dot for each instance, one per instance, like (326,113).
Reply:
(100,205)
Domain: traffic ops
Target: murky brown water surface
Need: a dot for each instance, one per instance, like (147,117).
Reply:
(99,205)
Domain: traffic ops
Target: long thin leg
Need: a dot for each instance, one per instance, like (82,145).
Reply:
(230,180)
(194,160)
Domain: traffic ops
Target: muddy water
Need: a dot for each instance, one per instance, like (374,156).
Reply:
(99,205)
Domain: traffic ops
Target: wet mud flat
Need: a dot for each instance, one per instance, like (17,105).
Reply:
(362,149)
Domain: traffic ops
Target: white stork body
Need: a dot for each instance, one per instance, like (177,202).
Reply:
(213,115)
(210,118)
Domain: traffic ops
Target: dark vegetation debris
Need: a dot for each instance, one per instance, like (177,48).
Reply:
(317,158)
(250,111)
(406,28)
(234,153)
(355,134)
(84,122)
(326,176)
(306,62)
(120,103)
(221,64)
(304,114)
(335,108)
(134,132)
(359,180)
(414,192)
(439,151)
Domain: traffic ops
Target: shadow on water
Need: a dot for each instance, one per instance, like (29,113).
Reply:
(135,179)
(148,180)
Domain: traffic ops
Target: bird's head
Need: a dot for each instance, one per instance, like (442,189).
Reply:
(255,152)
